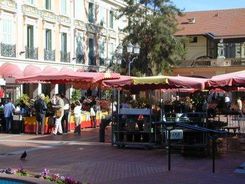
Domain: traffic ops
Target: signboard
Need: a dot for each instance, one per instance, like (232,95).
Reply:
(175,134)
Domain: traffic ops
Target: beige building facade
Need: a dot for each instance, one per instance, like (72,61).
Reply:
(57,35)
(214,42)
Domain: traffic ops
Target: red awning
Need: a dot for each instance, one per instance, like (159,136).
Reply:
(32,70)
(234,79)
(49,69)
(66,69)
(1,93)
(10,70)
(117,83)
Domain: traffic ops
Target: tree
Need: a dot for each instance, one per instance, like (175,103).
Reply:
(152,24)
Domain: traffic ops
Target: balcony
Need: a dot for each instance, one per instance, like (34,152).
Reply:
(8,50)
(65,57)
(80,58)
(91,59)
(212,62)
(49,55)
(31,53)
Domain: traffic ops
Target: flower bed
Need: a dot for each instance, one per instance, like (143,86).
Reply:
(45,175)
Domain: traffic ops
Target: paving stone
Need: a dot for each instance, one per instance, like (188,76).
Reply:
(86,159)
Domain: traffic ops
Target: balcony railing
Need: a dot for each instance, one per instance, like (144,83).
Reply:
(80,58)
(91,59)
(31,53)
(49,55)
(212,62)
(65,56)
(8,50)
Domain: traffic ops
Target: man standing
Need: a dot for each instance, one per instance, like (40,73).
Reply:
(227,102)
(65,119)
(59,108)
(239,104)
(40,108)
(8,114)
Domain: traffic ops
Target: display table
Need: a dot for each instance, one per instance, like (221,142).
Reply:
(30,125)
(30,122)
(85,120)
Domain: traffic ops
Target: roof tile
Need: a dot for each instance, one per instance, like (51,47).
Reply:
(221,23)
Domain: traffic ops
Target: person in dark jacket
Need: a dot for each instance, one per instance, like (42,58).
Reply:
(40,108)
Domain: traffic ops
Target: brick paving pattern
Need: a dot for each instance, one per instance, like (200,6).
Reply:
(85,159)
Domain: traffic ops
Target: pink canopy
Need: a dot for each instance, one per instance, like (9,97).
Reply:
(32,70)
(117,83)
(50,69)
(156,82)
(10,70)
(187,82)
(180,90)
(67,76)
(235,79)
(66,69)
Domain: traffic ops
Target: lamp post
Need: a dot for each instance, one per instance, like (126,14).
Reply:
(169,126)
(131,50)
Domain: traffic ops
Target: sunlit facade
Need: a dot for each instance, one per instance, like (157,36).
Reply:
(74,34)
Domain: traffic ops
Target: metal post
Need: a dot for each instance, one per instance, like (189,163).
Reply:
(213,152)
(169,151)
(129,67)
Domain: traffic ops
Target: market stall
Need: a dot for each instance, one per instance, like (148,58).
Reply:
(79,80)
(127,134)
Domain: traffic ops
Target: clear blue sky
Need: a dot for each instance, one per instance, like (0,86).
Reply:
(197,5)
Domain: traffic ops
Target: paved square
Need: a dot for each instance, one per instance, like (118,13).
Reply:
(85,159)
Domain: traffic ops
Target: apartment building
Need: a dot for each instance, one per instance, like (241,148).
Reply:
(215,42)
(52,35)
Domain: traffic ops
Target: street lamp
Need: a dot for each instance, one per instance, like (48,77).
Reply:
(131,50)
(169,126)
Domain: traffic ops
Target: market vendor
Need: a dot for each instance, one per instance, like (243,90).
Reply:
(40,108)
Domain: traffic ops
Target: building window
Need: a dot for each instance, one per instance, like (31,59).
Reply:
(78,9)
(91,12)
(193,39)
(8,47)
(111,21)
(111,50)
(79,48)
(7,28)
(49,54)
(48,4)
(91,52)
(63,7)
(64,55)
(64,42)
(48,42)
(30,51)
(102,52)
(30,36)
(30,2)
(102,16)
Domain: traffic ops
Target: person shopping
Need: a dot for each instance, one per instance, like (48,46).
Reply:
(77,115)
(40,108)
(59,113)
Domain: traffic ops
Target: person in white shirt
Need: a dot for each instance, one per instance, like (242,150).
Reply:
(239,103)
(59,108)
(77,115)
(227,102)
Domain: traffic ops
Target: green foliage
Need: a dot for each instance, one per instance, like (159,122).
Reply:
(47,99)
(152,24)
(76,95)
(25,99)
